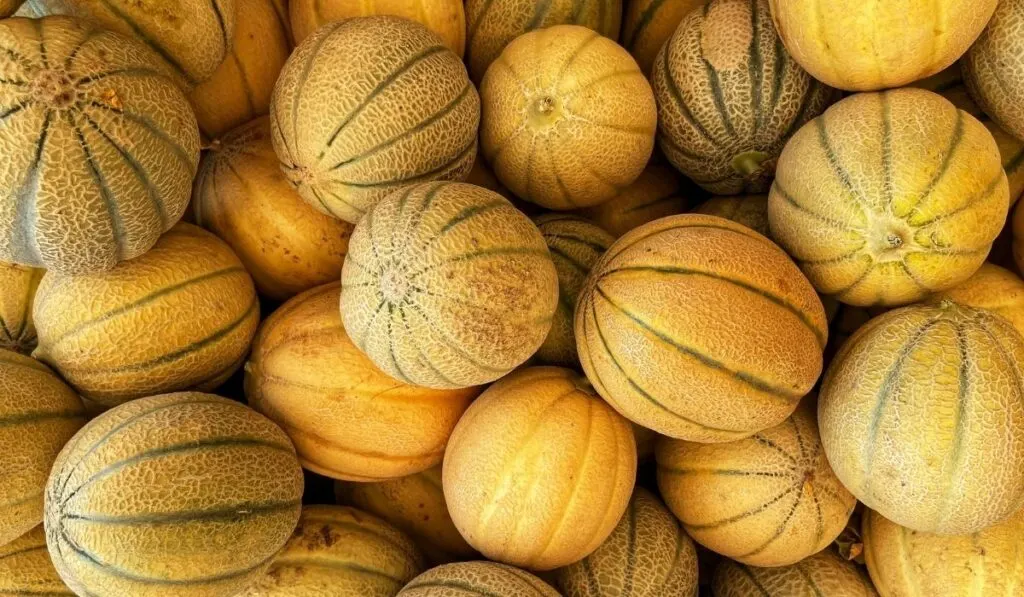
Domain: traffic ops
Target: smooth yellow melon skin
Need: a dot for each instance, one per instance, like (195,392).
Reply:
(26,568)
(659,192)
(38,414)
(446,18)
(749,210)
(539,470)
(178,495)
(179,317)
(242,196)
(484,578)
(868,46)
(992,68)
(993,288)
(824,574)
(647,25)
(19,284)
(921,417)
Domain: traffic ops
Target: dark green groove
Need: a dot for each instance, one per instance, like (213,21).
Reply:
(745,514)
(451,344)
(184,157)
(622,249)
(981,196)
(327,32)
(833,160)
(627,589)
(785,196)
(555,251)
(913,277)
(887,166)
(237,513)
(677,96)
(756,69)
(805,105)
(25,245)
(482,254)
(21,552)
(764,441)
(113,210)
(719,97)
(146,39)
(540,12)
(629,38)
(779,61)
(956,138)
(962,398)
(577,239)
(37,24)
(423,357)
(781,528)
(70,58)
(560,77)
(224,37)
(469,213)
(750,576)
(722,472)
(132,71)
(35,417)
(14,111)
(810,581)
(417,177)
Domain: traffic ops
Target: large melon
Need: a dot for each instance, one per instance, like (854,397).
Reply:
(348,132)
(822,575)
(647,25)
(994,65)
(26,569)
(19,284)
(749,210)
(99,147)
(477,578)
(658,192)
(993,288)
(446,18)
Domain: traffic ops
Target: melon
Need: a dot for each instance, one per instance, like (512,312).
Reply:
(477,578)
(349,132)
(647,555)
(888,197)
(700,329)
(307,375)
(992,67)
(181,495)
(647,25)
(867,46)
(570,125)
(481,175)
(922,417)
(179,317)
(729,97)
(446,18)
(749,210)
(26,568)
(539,470)
(447,285)
(242,196)
(843,321)
(9,7)
(19,283)
(657,193)
(105,122)
(38,414)
(823,575)
(996,289)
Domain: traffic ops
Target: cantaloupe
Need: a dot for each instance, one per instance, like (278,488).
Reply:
(38,414)
(26,568)
(729,97)
(179,317)
(342,552)
(95,114)
(700,329)
(993,288)
(446,285)
(568,117)
(19,284)
(446,18)
(647,25)
(867,46)
(307,375)
(888,197)
(477,578)
(539,470)
(992,68)
(179,495)
(749,210)
(9,7)
(921,417)
(647,555)
(242,196)
(823,575)
(657,193)
(348,132)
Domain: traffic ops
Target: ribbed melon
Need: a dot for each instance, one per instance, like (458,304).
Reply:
(539,470)
(700,329)
(993,66)
(657,193)
(729,97)
(477,578)
(306,374)
(93,113)
(569,126)
(179,495)
(922,417)
(647,25)
(993,288)
(242,196)
(822,575)
(38,415)
(26,568)
(179,317)
(446,18)
(749,210)
(19,284)
(348,132)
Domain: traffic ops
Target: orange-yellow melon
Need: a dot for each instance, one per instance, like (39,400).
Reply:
(657,193)
(19,284)
(825,574)
(647,555)
(349,132)
(307,375)
(993,67)
(177,495)
(993,288)
(647,25)
(539,470)
(38,414)
(867,46)
(242,196)
(922,417)
(568,125)
(110,126)
(700,329)
(446,18)
(26,568)
(464,292)
(477,578)
(179,317)
(749,210)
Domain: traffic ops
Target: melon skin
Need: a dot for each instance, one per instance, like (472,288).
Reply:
(109,125)
(19,284)
(658,192)
(446,18)
(992,68)
(9,7)
(647,25)
(749,210)
(184,495)
(26,568)
(993,288)
(350,132)
(825,573)
(484,578)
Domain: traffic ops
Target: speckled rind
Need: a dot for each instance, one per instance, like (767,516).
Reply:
(26,568)
(18,284)
(824,574)
(485,578)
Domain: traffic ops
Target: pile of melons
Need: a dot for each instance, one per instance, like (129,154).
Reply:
(511,298)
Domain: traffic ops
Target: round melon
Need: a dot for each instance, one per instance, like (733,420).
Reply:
(867,46)
(242,196)
(99,147)
(447,285)
(570,125)
(996,289)
(700,329)
(340,551)
(539,470)
(348,132)
(657,193)
(729,97)
(176,495)
(38,415)
(179,317)
(477,578)
(446,18)
(19,284)
(647,555)
(26,568)
(992,68)
(647,25)
(922,417)
(888,197)
(749,210)
(307,375)
(823,575)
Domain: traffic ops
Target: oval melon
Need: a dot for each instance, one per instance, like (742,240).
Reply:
(19,283)
(647,25)
(822,575)
(657,193)
(992,68)
(479,578)
(26,568)
(998,290)
(749,210)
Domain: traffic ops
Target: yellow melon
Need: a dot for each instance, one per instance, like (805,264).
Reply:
(993,66)
(106,123)
(657,193)
(822,575)
(700,329)
(647,25)
(306,374)
(349,132)
(477,578)
(242,196)
(993,288)
(26,568)
(568,118)
(922,417)
(446,18)
(183,495)
(19,283)
(749,210)
(539,470)
(179,317)
(867,46)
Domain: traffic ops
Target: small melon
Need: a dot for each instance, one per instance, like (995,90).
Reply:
(19,284)
(659,192)
(749,210)
(993,66)
(26,569)
(647,25)
(825,574)
(993,288)
(446,18)
(477,578)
